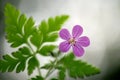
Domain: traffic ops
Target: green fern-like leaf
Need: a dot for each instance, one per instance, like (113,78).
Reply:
(18,30)
(18,27)
(76,68)
(37,38)
(47,49)
(15,61)
(37,78)
(61,73)
(32,64)
(54,79)
(49,27)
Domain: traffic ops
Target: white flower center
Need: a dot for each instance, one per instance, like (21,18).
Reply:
(72,41)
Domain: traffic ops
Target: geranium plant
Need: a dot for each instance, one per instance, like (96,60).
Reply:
(29,39)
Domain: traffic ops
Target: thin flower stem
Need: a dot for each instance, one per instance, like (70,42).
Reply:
(48,73)
(38,69)
(51,70)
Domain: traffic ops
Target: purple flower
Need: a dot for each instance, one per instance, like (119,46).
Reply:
(74,40)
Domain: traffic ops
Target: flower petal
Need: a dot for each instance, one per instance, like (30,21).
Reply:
(64,46)
(64,34)
(83,41)
(78,50)
(77,31)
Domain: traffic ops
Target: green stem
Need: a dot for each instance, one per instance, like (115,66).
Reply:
(39,72)
(48,73)
(30,47)
(51,70)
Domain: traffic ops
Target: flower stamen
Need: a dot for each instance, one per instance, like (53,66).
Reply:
(72,41)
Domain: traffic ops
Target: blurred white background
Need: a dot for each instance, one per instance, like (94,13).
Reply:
(100,20)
